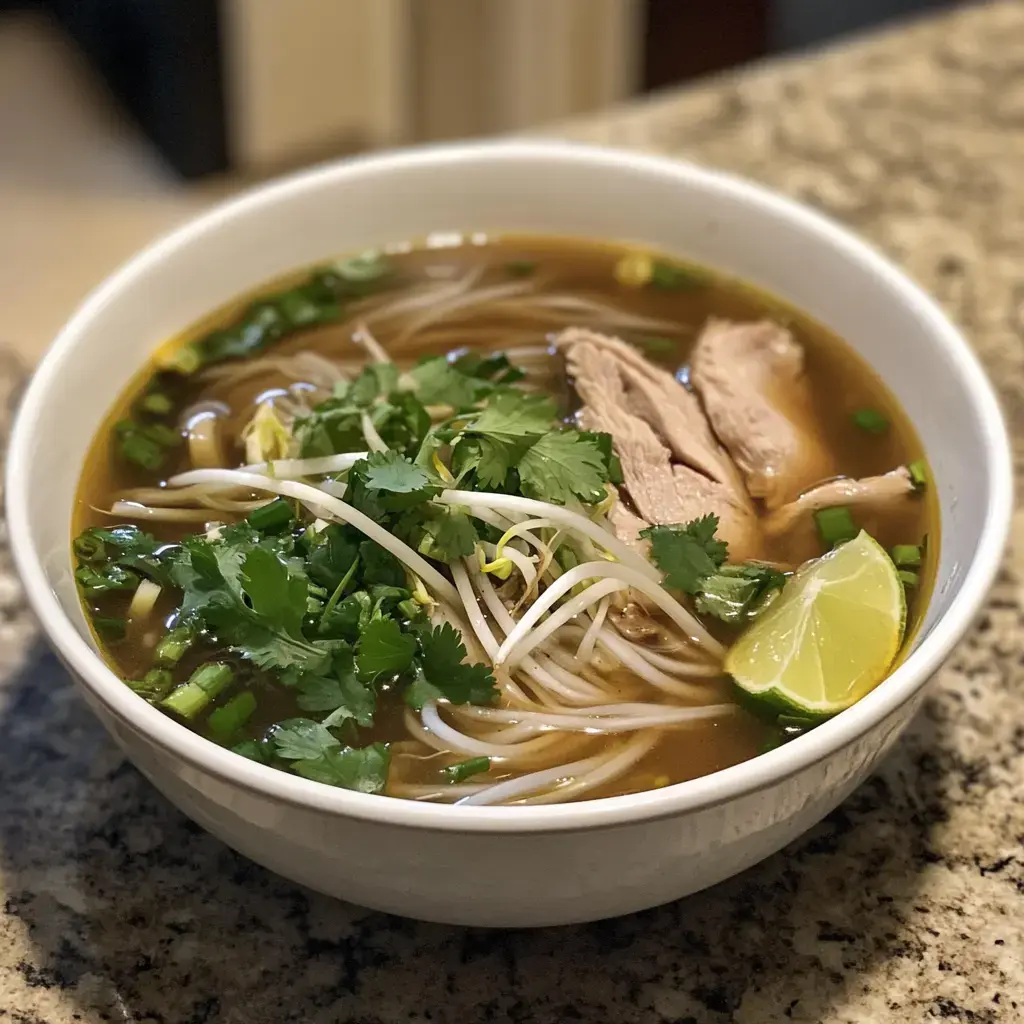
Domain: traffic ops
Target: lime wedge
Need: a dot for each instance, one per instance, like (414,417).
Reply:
(829,637)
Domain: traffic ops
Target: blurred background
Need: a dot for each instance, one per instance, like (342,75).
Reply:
(120,117)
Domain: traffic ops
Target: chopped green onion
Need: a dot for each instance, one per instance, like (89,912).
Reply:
(109,627)
(656,346)
(906,555)
(156,403)
(89,548)
(111,577)
(171,647)
(909,579)
(918,473)
(871,420)
(272,517)
(185,360)
(520,268)
(835,525)
(672,277)
(162,434)
(136,447)
(227,720)
(465,769)
(154,685)
(207,682)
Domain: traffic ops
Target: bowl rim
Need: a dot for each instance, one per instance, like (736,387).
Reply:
(708,791)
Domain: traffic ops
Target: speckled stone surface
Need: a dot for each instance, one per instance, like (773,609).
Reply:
(906,904)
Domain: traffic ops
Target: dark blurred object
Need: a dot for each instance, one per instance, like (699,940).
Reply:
(797,23)
(684,40)
(162,60)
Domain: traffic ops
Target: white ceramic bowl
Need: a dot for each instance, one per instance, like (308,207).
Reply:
(546,864)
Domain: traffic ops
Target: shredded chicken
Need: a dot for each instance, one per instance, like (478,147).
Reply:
(630,399)
(874,492)
(751,379)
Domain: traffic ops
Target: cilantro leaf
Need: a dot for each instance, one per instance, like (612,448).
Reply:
(490,458)
(494,367)
(402,421)
(687,554)
(380,566)
(364,770)
(438,382)
(386,482)
(613,468)
(444,672)
(383,649)
(347,618)
(333,426)
(317,754)
(298,738)
(341,693)
(447,534)
(389,471)
(561,465)
(331,554)
(376,379)
(735,593)
(513,417)
(249,600)
(276,593)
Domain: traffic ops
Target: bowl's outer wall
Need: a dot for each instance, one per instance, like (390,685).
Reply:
(532,877)
(511,881)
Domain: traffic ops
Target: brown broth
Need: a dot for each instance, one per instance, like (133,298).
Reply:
(842,383)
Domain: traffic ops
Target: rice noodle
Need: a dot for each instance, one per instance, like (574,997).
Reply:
(525,784)
(603,719)
(629,655)
(450,307)
(336,508)
(618,765)
(133,510)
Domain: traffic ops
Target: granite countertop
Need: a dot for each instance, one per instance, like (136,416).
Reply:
(905,904)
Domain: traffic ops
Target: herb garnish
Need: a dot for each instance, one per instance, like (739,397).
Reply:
(693,560)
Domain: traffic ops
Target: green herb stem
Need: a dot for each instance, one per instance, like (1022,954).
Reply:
(206,683)
(272,517)
(835,525)
(906,556)
(918,470)
(225,721)
(871,421)
(154,685)
(455,773)
(171,648)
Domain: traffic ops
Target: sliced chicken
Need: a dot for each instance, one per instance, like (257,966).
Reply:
(661,492)
(878,493)
(656,397)
(751,379)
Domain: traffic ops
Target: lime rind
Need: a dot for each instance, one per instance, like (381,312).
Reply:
(828,639)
